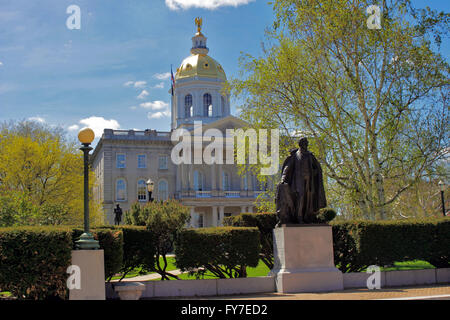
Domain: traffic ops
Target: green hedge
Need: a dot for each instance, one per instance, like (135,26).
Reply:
(224,251)
(358,244)
(34,260)
(138,248)
(265,222)
(111,241)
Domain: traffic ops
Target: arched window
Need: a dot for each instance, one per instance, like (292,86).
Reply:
(198,180)
(188,105)
(225,181)
(142,190)
(207,101)
(121,190)
(163,190)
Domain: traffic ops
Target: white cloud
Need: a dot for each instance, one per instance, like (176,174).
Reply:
(140,84)
(159,114)
(159,85)
(98,124)
(133,107)
(204,4)
(155,105)
(74,127)
(1,63)
(136,84)
(143,94)
(162,76)
(37,119)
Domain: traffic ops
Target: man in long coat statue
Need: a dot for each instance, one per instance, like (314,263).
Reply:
(300,194)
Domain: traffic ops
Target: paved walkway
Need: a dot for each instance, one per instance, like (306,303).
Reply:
(435,292)
(147,277)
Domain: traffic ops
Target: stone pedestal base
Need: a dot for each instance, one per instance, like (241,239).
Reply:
(92,275)
(304,259)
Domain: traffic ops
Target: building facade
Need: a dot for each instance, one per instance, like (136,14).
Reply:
(124,160)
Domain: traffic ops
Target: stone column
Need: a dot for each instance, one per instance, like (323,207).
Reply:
(250,209)
(243,209)
(215,217)
(191,178)
(221,215)
(213,179)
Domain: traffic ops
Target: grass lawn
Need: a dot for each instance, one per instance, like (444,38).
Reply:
(135,273)
(262,270)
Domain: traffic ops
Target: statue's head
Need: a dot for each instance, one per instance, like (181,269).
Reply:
(303,143)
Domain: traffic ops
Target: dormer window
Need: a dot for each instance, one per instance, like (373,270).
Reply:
(207,102)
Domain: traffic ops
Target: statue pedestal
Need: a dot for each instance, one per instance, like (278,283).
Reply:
(304,260)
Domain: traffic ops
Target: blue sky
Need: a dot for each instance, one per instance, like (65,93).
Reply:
(113,71)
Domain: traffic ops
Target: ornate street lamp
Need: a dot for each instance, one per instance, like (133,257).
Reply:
(86,241)
(442,187)
(150,186)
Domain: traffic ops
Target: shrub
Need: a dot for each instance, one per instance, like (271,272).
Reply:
(111,241)
(265,222)
(34,260)
(138,249)
(224,251)
(358,244)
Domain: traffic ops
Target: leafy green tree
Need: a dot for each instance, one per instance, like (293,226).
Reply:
(41,177)
(373,101)
(164,220)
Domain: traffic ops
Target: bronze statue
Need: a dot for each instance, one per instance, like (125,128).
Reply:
(300,194)
(118,215)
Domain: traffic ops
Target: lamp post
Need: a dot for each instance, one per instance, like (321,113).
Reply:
(150,186)
(442,187)
(86,241)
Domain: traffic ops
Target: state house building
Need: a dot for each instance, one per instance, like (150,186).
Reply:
(124,160)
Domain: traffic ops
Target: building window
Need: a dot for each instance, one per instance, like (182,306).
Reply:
(162,162)
(163,192)
(222,103)
(207,101)
(120,160)
(244,182)
(200,220)
(188,106)
(198,181)
(121,190)
(142,190)
(225,181)
(142,161)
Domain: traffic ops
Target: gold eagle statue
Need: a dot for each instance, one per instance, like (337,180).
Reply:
(198,23)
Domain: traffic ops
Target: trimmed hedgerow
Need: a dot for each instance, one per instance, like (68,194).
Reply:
(138,249)
(111,241)
(359,244)
(34,260)
(223,251)
(265,222)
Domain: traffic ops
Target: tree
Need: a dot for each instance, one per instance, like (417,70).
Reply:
(373,102)
(41,177)
(164,220)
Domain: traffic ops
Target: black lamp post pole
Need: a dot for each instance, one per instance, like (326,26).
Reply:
(87,240)
(86,148)
(443,202)
(150,196)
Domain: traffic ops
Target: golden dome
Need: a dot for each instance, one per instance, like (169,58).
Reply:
(200,65)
